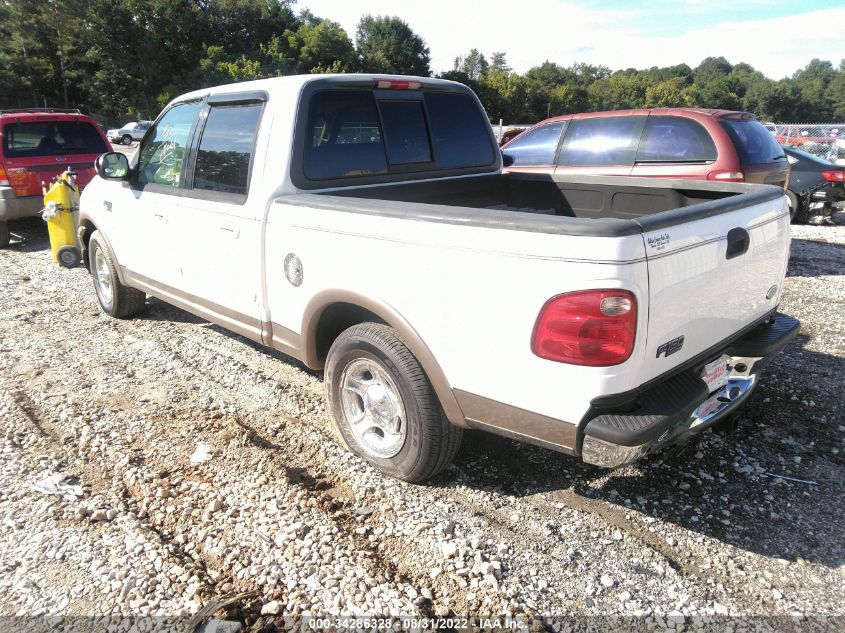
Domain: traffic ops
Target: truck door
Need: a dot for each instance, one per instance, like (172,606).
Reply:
(149,203)
(219,229)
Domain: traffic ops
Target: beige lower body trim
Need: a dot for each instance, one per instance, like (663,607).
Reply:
(518,424)
(242,324)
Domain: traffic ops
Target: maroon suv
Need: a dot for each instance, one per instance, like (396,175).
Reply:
(663,142)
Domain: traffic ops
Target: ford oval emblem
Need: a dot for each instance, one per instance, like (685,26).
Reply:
(772,291)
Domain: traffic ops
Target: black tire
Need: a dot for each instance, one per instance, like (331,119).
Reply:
(431,441)
(797,212)
(69,256)
(5,236)
(125,302)
(127,139)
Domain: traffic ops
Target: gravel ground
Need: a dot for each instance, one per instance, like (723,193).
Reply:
(282,521)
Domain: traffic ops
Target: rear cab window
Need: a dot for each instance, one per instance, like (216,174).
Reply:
(601,141)
(51,138)
(753,142)
(362,135)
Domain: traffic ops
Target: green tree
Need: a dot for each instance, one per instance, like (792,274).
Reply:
(388,45)
(322,46)
(473,64)
(671,93)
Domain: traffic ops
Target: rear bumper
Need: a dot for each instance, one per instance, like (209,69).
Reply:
(680,406)
(13,207)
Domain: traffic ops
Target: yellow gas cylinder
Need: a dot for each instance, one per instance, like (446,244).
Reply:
(61,210)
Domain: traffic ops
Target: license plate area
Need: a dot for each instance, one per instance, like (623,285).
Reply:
(715,373)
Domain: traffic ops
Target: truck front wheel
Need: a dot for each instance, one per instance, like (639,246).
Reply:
(115,299)
(384,407)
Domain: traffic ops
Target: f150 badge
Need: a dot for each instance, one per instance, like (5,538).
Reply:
(670,347)
(658,242)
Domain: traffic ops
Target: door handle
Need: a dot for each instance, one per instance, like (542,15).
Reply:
(738,241)
(231,229)
(160,217)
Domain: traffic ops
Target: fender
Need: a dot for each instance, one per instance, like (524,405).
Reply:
(83,218)
(322,300)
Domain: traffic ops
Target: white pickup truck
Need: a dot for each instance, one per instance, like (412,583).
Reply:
(361,224)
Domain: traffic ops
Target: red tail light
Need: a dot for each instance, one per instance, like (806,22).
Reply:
(588,327)
(726,175)
(393,84)
(834,175)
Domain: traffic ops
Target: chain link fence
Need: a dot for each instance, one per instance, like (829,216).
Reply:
(825,140)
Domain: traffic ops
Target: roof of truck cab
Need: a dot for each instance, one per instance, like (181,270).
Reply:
(296,82)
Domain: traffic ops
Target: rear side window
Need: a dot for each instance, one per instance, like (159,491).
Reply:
(601,141)
(51,138)
(353,133)
(753,142)
(225,149)
(671,139)
(535,147)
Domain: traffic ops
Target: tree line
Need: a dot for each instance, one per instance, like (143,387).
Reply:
(122,59)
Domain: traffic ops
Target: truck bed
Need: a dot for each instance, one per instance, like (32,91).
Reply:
(579,205)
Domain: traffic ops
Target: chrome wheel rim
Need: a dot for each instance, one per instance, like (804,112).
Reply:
(373,408)
(101,270)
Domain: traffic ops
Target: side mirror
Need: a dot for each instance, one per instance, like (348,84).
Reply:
(112,166)
(507,160)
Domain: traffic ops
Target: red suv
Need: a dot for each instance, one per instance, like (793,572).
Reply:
(663,142)
(38,144)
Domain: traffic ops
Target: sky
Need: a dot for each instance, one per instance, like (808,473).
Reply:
(777,37)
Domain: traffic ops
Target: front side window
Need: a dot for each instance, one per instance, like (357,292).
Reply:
(163,152)
(535,147)
(601,141)
(672,139)
(225,149)
(51,138)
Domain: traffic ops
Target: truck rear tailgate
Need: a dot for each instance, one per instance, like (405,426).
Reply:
(710,278)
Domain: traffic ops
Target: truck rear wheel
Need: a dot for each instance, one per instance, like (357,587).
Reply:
(115,299)
(5,236)
(384,407)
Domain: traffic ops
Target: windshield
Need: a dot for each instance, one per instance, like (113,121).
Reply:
(753,142)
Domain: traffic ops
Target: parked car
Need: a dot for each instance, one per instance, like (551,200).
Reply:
(130,132)
(771,127)
(717,145)
(362,224)
(815,186)
(811,138)
(38,144)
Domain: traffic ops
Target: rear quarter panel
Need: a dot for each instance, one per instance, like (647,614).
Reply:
(472,294)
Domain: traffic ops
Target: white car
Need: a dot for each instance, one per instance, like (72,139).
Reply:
(362,224)
(130,132)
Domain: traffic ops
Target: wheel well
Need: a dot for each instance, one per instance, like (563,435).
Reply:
(88,230)
(335,319)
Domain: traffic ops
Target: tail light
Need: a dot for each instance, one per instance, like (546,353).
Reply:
(834,175)
(726,175)
(588,327)
(394,84)
(4,180)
